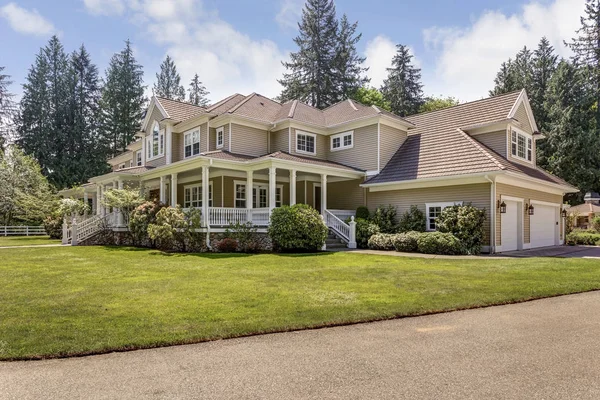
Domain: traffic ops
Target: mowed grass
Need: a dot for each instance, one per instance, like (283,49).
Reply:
(62,301)
(26,240)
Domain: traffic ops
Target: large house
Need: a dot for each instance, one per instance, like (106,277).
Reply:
(244,155)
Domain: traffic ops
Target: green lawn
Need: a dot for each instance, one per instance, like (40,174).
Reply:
(26,240)
(62,301)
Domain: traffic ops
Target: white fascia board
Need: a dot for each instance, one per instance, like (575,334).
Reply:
(431,182)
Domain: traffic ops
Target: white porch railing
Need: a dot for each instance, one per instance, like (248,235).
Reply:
(223,216)
(22,230)
(80,231)
(343,214)
(347,232)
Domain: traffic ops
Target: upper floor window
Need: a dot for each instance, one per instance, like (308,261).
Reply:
(220,137)
(191,143)
(305,142)
(521,145)
(433,211)
(155,143)
(138,158)
(342,141)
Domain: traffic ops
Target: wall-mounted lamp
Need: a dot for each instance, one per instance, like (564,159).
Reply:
(530,209)
(502,207)
(564,213)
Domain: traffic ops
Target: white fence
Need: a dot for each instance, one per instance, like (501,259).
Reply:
(22,230)
(223,216)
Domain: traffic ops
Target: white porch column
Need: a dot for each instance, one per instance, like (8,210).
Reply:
(323,193)
(85,201)
(106,209)
(169,142)
(205,189)
(163,189)
(118,210)
(272,186)
(173,190)
(144,150)
(142,189)
(292,187)
(98,200)
(249,188)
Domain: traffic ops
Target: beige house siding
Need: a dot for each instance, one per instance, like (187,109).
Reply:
(495,141)
(177,149)
(280,141)
(521,116)
(345,195)
(155,116)
(391,140)
(213,138)
(157,162)
(527,195)
(321,145)
(203,139)
(248,140)
(300,192)
(363,154)
(476,194)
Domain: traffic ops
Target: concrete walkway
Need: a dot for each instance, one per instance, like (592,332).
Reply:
(545,349)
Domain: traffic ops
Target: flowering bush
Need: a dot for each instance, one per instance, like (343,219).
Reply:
(72,207)
(407,242)
(53,226)
(174,229)
(141,217)
(382,241)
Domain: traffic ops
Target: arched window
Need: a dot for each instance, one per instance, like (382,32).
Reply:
(155,143)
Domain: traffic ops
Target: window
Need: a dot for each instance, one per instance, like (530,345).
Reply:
(191,144)
(192,196)
(138,158)
(278,201)
(305,142)
(342,141)
(433,211)
(240,195)
(220,137)
(259,197)
(155,143)
(521,145)
(121,166)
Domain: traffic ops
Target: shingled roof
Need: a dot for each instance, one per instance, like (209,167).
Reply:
(179,110)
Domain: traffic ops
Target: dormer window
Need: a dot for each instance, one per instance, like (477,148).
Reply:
(521,145)
(191,143)
(138,158)
(220,137)
(155,143)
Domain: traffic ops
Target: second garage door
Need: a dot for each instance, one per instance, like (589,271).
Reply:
(543,226)
(510,226)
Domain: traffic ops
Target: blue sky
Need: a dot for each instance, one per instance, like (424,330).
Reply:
(237,46)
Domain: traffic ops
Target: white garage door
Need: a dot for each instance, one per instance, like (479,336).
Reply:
(509,225)
(543,226)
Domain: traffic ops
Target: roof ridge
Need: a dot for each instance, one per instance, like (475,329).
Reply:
(223,101)
(293,109)
(180,101)
(238,105)
(479,147)
(352,104)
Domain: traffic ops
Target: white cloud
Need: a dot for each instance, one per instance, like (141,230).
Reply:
(469,57)
(105,7)
(379,53)
(289,13)
(26,21)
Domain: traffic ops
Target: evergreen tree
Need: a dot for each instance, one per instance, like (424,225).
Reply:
(7,109)
(350,74)
(122,101)
(438,103)
(571,149)
(544,65)
(168,82)
(403,88)
(523,69)
(370,96)
(505,79)
(311,76)
(197,93)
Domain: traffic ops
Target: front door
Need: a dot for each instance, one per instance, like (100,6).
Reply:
(318,199)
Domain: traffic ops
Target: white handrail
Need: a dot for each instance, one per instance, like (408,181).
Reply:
(337,225)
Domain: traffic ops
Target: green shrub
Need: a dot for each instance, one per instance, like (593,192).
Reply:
(175,229)
(439,243)
(595,223)
(227,245)
(412,220)
(142,216)
(407,242)
(364,230)
(246,237)
(385,218)
(579,237)
(297,228)
(53,226)
(466,223)
(382,241)
(363,212)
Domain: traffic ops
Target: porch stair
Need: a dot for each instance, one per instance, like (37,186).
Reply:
(333,242)
(86,229)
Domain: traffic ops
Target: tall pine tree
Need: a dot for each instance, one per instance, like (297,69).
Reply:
(197,93)
(349,72)
(310,75)
(505,79)
(122,102)
(544,64)
(168,82)
(403,88)
(523,69)
(7,109)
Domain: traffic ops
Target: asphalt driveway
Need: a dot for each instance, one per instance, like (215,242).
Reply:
(557,251)
(545,349)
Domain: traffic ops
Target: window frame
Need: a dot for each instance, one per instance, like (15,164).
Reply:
(307,134)
(187,134)
(138,158)
(160,142)
(198,187)
(515,135)
(442,205)
(220,131)
(257,187)
(342,137)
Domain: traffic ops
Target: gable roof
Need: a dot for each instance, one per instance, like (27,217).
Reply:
(223,105)
(584,208)
(179,110)
(257,107)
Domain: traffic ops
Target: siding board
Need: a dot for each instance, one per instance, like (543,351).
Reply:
(391,140)
(495,141)
(364,153)
(249,141)
(280,141)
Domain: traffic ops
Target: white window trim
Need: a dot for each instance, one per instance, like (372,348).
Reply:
(189,133)
(221,131)
(149,143)
(121,166)
(341,137)
(442,205)
(199,186)
(314,136)
(139,161)
(527,137)
(255,186)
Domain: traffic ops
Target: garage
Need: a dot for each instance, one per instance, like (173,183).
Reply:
(544,225)
(510,226)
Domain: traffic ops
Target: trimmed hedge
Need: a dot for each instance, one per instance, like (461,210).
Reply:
(439,243)
(364,230)
(382,241)
(583,238)
(297,228)
(407,242)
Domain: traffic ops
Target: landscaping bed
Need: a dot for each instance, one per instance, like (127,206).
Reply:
(63,301)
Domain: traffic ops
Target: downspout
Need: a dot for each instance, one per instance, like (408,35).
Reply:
(492,214)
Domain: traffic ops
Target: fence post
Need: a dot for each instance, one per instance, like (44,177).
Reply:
(352,241)
(65,231)
(27,230)
(74,233)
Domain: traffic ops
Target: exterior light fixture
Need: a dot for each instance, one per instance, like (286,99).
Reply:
(530,209)
(502,207)
(564,213)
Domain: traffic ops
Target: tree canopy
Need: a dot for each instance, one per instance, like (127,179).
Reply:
(168,81)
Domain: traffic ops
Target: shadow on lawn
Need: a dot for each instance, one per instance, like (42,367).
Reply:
(212,256)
